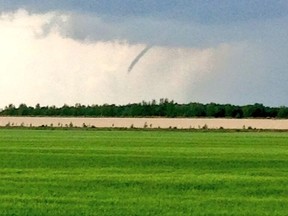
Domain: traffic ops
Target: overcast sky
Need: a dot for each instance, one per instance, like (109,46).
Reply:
(70,51)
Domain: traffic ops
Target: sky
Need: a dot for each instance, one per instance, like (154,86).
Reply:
(60,52)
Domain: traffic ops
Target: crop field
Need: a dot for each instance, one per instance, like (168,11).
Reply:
(101,172)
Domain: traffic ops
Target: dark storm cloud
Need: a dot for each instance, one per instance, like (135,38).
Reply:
(196,23)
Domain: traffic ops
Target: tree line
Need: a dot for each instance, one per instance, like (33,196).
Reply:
(162,108)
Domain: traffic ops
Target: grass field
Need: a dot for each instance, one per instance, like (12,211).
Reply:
(78,172)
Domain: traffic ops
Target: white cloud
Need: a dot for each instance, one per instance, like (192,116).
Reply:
(55,70)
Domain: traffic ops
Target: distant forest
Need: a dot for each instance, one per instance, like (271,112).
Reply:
(163,108)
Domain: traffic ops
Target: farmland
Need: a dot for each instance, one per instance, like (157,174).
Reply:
(156,123)
(101,172)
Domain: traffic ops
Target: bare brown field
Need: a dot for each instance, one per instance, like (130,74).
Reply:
(180,123)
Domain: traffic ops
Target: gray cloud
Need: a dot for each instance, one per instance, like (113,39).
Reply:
(89,27)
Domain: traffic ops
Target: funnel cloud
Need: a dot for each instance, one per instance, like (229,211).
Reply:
(138,57)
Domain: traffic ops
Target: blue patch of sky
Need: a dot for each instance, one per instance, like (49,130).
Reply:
(202,11)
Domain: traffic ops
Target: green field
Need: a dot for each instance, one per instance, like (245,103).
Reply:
(78,172)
